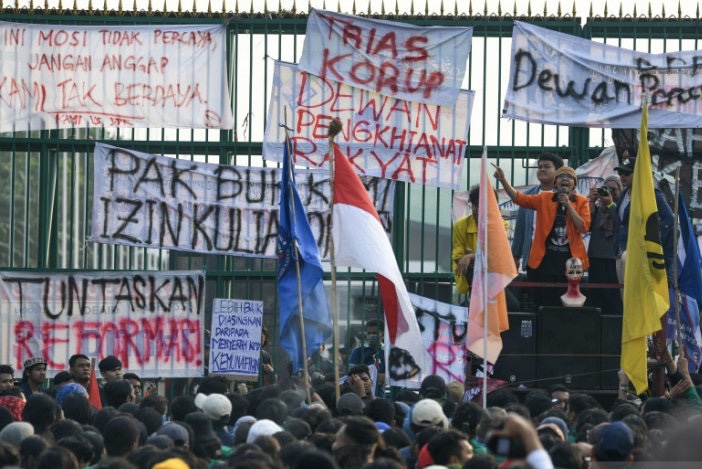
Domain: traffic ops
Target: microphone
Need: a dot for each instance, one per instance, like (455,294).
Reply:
(561,190)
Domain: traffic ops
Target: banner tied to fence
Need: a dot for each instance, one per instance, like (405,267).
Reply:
(63,76)
(155,201)
(557,78)
(382,136)
(151,321)
(423,64)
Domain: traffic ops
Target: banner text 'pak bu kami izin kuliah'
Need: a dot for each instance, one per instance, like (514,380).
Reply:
(423,64)
(158,202)
(151,321)
(382,136)
(557,78)
(63,76)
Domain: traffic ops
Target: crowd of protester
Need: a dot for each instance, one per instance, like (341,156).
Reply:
(275,426)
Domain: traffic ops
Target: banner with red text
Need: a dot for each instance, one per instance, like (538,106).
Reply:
(151,321)
(382,136)
(424,64)
(153,201)
(557,78)
(62,76)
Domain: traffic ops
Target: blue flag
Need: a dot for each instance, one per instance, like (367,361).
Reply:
(690,286)
(317,320)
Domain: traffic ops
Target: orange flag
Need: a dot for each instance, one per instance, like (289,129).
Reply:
(93,388)
(493,270)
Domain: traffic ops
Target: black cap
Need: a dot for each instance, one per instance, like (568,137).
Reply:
(433,387)
(627,165)
(109,363)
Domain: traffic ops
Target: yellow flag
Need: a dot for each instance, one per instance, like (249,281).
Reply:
(645,284)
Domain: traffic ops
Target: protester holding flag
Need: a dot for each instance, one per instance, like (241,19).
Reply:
(666,219)
(494,269)
(354,214)
(562,218)
(645,281)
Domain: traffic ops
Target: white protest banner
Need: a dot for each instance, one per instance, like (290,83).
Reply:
(444,328)
(424,64)
(63,76)
(382,136)
(560,79)
(151,321)
(153,201)
(235,337)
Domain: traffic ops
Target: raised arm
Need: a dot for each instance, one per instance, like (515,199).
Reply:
(500,176)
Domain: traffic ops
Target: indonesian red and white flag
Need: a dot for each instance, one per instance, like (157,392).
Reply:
(360,241)
(493,270)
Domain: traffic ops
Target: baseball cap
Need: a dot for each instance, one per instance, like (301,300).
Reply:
(433,387)
(215,406)
(262,427)
(428,413)
(614,442)
(175,432)
(627,165)
(30,362)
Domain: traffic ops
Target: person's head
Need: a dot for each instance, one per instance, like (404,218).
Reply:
(56,456)
(546,167)
(156,402)
(349,404)
(121,436)
(355,442)
(34,371)
(566,180)
(428,413)
(118,392)
(150,417)
(16,432)
(614,184)
(466,418)
(381,410)
(110,368)
(77,407)
(574,269)
(450,447)
(374,327)
(135,381)
(433,387)
(81,448)
(626,172)
(61,378)
(362,372)
(216,406)
(79,366)
(474,199)
(30,450)
(614,443)
(41,411)
(69,389)
(272,409)
(559,396)
(7,379)
(182,406)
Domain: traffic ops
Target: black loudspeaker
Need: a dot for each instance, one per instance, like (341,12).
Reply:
(611,349)
(517,361)
(568,347)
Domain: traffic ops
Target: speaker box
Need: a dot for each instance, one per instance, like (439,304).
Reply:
(611,349)
(517,361)
(568,347)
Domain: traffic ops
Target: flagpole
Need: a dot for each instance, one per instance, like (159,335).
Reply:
(676,287)
(482,205)
(334,129)
(305,369)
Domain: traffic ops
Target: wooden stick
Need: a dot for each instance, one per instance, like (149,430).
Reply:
(334,128)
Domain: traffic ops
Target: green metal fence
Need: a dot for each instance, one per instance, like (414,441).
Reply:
(46,190)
